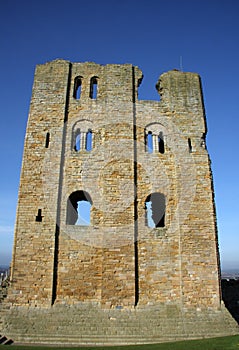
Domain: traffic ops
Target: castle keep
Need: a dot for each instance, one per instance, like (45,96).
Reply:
(115,237)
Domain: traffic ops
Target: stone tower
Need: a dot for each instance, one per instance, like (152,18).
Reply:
(116,210)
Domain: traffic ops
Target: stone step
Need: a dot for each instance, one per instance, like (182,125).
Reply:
(5,341)
(76,325)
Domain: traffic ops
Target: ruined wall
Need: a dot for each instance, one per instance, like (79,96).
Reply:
(117,260)
(34,245)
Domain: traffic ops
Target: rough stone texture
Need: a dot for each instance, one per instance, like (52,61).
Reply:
(87,324)
(116,278)
(4,289)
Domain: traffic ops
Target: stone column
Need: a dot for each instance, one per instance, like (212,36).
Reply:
(83,140)
(155,143)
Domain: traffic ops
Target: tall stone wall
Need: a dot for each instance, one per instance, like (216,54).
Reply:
(89,139)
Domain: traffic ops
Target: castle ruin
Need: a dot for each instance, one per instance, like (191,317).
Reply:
(115,236)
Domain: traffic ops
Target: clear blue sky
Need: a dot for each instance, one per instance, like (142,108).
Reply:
(151,34)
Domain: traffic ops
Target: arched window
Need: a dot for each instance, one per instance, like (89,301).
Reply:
(93,87)
(82,140)
(154,142)
(155,210)
(154,138)
(78,208)
(77,88)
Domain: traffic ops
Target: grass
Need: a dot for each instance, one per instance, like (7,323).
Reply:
(224,343)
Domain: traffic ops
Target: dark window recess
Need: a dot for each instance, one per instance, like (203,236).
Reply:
(155,210)
(203,140)
(161,143)
(190,145)
(39,216)
(78,208)
(77,88)
(93,87)
(47,140)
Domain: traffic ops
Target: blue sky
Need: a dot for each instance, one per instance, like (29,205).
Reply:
(151,34)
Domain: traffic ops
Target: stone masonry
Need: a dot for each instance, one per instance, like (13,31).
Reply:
(144,265)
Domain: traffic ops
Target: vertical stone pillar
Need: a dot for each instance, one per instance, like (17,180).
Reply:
(82,140)
(155,143)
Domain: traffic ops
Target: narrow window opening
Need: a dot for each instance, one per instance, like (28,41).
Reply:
(77,88)
(47,140)
(149,141)
(203,140)
(93,88)
(161,142)
(39,216)
(77,141)
(89,140)
(78,208)
(155,210)
(189,145)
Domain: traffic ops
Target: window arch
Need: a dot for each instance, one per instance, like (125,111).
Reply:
(154,138)
(82,136)
(93,87)
(77,87)
(78,208)
(83,140)
(155,206)
(154,142)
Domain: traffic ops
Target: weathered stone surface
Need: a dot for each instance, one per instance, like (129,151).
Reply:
(144,283)
(91,325)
